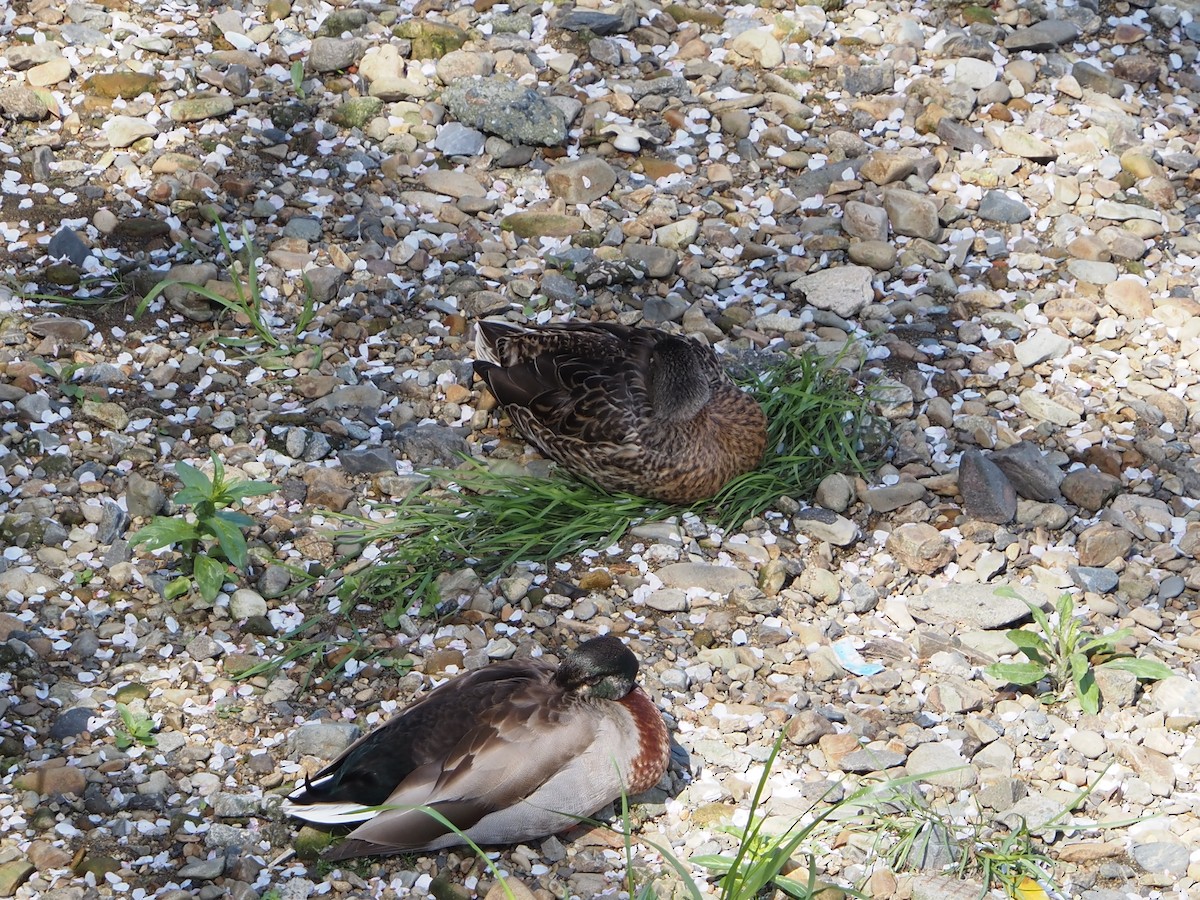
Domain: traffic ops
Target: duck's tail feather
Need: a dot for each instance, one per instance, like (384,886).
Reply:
(488,335)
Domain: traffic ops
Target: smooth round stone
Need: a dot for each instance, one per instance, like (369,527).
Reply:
(879,255)
(975,74)
(1093,271)
(1088,743)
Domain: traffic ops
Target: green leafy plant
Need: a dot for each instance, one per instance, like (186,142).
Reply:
(137,728)
(212,538)
(264,346)
(1066,656)
(63,374)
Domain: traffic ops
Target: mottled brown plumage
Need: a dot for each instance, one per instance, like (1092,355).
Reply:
(511,752)
(631,409)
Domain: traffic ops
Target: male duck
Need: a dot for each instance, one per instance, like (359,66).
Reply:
(631,409)
(514,751)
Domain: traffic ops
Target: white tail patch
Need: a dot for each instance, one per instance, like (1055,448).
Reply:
(328,813)
(484,352)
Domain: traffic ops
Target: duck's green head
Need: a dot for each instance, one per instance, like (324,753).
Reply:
(678,382)
(602,667)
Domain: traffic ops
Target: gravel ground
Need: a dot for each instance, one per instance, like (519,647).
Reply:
(994,206)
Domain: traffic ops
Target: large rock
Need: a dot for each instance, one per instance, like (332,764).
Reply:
(844,290)
(499,105)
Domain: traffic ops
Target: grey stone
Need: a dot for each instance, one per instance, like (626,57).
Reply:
(324,740)
(826,525)
(942,764)
(333,54)
(872,78)
(835,492)
(668,600)
(245,603)
(21,103)
(202,869)
(998,206)
(603,24)
(67,244)
(499,105)
(987,493)
(1162,858)
(959,136)
(456,139)
(656,262)
(368,461)
(969,606)
(1094,579)
(911,214)
(70,723)
(1045,35)
(717,579)
(1095,79)
(894,496)
(426,445)
(870,760)
(1029,471)
(1041,345)
(143,497)
(844,290)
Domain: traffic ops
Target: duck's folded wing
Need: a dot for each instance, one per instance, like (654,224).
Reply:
(503,760)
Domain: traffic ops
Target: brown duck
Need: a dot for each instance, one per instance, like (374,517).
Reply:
(631,409)
(511,752)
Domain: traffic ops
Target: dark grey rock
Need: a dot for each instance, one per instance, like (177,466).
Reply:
(368,461)
(1094,579)
(605,52)
(1094,79)
(306,228)
(664,309)
(426,445)
(317,447)
(1045,35)
(143,497)
(113,521)
(870,760)
(960,136)
(67,244)
(986,492)
(1030,472)
(324,740)
(874,78)
(997,206)
(499,105)
(70,723)
(599,23)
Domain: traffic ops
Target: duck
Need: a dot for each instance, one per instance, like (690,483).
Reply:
(513,751)
(629,408)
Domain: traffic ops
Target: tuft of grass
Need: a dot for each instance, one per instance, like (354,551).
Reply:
(490,519)
(263,346)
